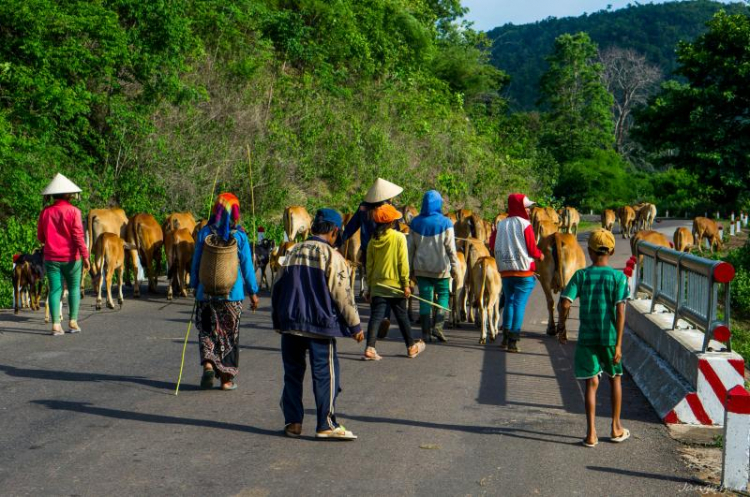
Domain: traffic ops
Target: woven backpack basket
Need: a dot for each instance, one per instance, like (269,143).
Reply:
(219,263)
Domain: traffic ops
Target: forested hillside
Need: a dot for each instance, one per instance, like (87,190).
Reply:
(143,104)
(651,30)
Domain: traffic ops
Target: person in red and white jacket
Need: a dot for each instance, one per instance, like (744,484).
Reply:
(515,253)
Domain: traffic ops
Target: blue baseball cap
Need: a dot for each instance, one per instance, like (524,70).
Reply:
(329,216)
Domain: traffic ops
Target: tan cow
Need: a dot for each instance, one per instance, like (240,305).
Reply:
(198,227)
(352,252)
(146,239)
(458,292)
(500,217)
(109,249)
(473,226)
(683,240)
(649,236)
(297,221)
(563,256)
(626,216)
(545,229)
(485,279)
(277,259)
(474,250)
(100,221)
(708,228)
(463,214)
(608,219)
(179,246)
(539,214)
(646,216)
(178,220)
(570,219)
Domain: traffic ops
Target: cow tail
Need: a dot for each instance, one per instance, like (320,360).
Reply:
(480,298)
(139,246)
(172,268)
(90,230)
(288,223)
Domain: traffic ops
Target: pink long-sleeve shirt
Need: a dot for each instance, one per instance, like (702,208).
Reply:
(61,231)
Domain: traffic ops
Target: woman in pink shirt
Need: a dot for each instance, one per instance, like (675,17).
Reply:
(60,230)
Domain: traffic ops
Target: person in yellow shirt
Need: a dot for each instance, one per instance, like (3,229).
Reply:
(388,281)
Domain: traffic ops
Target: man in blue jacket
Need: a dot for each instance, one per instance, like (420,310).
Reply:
(312,305)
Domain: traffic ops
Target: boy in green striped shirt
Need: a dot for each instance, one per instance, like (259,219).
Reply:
(603,292)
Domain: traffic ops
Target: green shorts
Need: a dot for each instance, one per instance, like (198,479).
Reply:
(593,360)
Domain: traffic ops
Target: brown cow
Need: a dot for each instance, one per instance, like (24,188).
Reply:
(408,212)
(198,227)
(608,219)
(626,216)
(472,226)
(146,239)
(178,220)
(563,256)
(458,292)
(28,280)
(473,251)
(539,214)
(113,220)
(705,227)
(649,236)
(178,247)
(109,249)
(463,214)
(545,229)
(485,279)
(297,221)
(683,240)
(569,220)
(452,217)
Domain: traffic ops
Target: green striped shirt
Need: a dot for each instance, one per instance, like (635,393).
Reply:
(600,289)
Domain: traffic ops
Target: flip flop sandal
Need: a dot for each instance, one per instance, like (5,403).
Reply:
(207,380)
(230,388)
(625,435)
(339,433)
(590,446)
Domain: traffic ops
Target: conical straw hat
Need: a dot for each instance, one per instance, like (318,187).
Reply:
(381,191)
(61,184)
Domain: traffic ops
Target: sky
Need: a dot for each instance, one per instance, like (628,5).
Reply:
(487,14)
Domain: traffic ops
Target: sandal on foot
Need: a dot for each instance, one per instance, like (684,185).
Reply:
(371,354)
(338,433)
(232,386)
(73,326)
(625,435)
(590,446)
(415,349)
(57,332)
(207,380)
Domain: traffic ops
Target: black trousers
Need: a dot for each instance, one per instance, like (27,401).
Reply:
(378,308)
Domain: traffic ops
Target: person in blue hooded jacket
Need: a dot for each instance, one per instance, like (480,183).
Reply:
(433,260)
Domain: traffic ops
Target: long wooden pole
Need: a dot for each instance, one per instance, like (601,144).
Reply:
(413,296)
(184,348)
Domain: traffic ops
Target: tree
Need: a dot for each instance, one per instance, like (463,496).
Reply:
(631,79)
(579,115)
(704,125)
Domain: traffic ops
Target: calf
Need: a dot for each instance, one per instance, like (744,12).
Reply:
(485,278)
(683,240)
(563,256)
(262,256)
(109,250)
(474,250)
(646,216)
(608,219)
(146,240)
(626,216)
(179,247)
(570,219)
(458,290)
(28,279)
(112,220)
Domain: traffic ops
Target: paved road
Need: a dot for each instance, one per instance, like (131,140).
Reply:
(95,414)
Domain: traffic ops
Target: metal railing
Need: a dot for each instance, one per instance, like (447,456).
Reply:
(688,286)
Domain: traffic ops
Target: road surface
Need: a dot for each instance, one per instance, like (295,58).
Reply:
(95,414)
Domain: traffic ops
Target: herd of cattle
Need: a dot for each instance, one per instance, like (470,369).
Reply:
(116,241)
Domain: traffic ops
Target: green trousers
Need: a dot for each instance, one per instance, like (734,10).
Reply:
(56,273)
(429,288)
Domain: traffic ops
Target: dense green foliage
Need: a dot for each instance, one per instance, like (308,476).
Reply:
(703,125)
(650,29)
(144,104)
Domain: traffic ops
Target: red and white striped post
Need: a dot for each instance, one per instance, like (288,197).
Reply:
(735,470)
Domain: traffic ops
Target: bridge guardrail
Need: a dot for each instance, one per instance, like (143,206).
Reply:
(688,286)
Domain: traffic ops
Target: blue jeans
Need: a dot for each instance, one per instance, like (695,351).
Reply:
(517,291)
(324,363)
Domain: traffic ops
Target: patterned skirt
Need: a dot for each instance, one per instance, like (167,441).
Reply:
(218,324)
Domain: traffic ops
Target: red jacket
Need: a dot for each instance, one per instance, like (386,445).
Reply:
(516,209)
(61,231)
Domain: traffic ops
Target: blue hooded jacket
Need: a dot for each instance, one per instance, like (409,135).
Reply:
(432,243)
